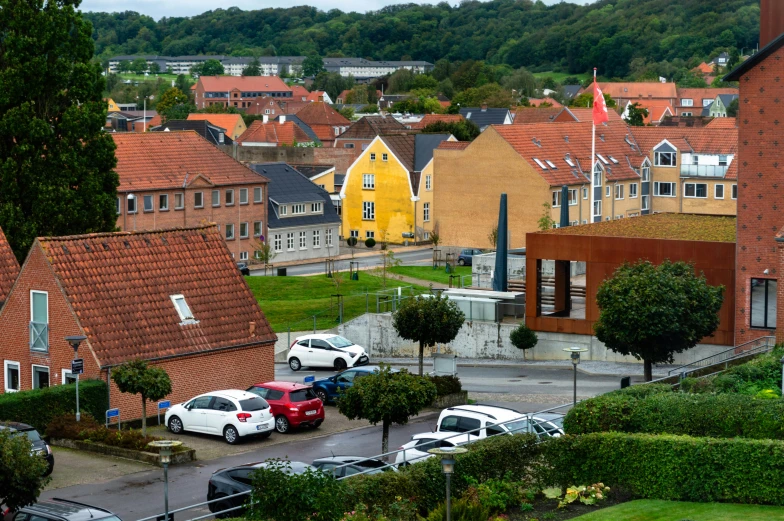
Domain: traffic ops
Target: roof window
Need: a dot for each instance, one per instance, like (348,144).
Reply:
(602,159)
(569,161)
(550,164)
(540,164)
(186,316)
(613,159)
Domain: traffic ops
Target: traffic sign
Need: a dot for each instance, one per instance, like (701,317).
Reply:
(164,405)
(309,379)
(77,366)
(111,413)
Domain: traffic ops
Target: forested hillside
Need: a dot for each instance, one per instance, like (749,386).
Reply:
(608,34)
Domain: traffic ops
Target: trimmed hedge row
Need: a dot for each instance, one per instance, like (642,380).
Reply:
(38,407)
(672,467)
(446,385)
(515,458)
(712,415)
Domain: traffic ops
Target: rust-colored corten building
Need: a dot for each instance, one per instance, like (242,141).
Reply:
(179,179)
(760,182)
(705,241)
(174,298)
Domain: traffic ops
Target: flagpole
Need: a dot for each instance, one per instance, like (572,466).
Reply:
(593,155)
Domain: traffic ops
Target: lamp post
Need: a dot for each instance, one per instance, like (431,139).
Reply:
(75,341)
(165,450)
(575,356)
(782,376)
(448,467)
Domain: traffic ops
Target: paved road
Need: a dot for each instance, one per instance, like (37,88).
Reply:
(408,258)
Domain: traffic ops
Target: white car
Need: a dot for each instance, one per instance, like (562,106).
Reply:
(325,351)
(231,413)
(416,450)
(494,420)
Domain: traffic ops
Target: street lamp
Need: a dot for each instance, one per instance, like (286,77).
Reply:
(75,340)
(448,467)
(165,451)
(575,356)
(782,376)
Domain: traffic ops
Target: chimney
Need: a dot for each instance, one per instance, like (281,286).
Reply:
(484,107)
(771,20)
(265,119)
(282,119)
(252,329)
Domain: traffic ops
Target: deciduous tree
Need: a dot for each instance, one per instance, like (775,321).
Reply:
(253,68)
(21,472)
(171,104)
(137,377)
(312,65)
(636,115)
(428,320)
(464,130)
(386,397)
(652,312)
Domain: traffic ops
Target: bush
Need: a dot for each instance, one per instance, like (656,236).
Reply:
(351,241)
(523,337)
(762,373)
(88,429)
(462,510)
(714,415)
(370,242)
(676,468)
(39,406)
(446,384)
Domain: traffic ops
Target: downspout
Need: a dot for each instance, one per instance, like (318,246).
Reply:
(109,386)
(612,205)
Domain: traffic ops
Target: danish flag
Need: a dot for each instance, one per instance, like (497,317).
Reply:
(599,106)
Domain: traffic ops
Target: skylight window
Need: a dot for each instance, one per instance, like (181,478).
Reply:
(613,159)
(550,164)
(602,159)
(186,316)
(569,161)
(540,164)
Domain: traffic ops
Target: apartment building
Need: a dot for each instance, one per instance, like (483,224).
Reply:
(232,65)
(241,92)
(362,69)
(179,180)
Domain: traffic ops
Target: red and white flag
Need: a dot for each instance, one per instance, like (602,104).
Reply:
(599,106)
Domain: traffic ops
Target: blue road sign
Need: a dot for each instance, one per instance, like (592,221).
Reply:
(310,379)
(164,405)
(111,413)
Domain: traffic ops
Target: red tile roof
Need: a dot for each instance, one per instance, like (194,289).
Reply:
(432,118)
(555,141)
(633,90)
(259,105)
(9,267)
(723,123)
(528,115)
(243,83)
(702,140)
(120,286)
(657,109)
(698,94)
(165,160)
(704,68)
(584,114)
(298,92)
(732,170)
(316,95)
(453,145)
(322,114)
(274,132)
(535,102)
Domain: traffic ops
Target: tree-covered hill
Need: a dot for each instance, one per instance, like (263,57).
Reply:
(607,34)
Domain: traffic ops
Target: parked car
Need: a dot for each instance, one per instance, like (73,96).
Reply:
(293,405)
(231,413)
(464,418)
(416,450)
(358,464)
(243,267)
(327,388)
(325,351)
(60,510)
(227,482)
(40,447)
(466,256)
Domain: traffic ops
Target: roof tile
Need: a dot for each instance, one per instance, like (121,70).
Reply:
(274,132)
(243,83)
(9,267)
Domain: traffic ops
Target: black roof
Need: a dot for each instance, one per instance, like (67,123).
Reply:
(754,60)
(204,128)
(485,117)
(68,510)
(288,185)
(570,91)
(312,171)
(424,144)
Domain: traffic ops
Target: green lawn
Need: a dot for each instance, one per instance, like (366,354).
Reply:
(428,273)
(559,76)
(655,510)
(151,77)
(292,301)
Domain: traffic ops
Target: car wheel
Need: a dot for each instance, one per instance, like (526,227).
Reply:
(282,424)
(340,364)
(220,506)
(461,262)
(322,395)
(231,435)
(294,364)
(175,425)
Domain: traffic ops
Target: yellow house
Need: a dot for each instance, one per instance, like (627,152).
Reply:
(112,105)
(387,193)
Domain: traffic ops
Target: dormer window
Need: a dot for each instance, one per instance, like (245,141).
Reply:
(186,316)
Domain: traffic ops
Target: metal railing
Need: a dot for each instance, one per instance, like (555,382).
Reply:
(39,336)
(703,170)
(756,346)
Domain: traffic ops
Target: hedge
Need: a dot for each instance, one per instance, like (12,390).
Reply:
(37,407)
(671,467)
(446,385)
(514,457)
(712,415)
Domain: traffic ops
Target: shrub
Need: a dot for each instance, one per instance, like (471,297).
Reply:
(523,337)
(762,373)
(38,407)
(351,241)
(446,384)
(714,415)
(668,467)
(88,429)
(370,242)
(462,510)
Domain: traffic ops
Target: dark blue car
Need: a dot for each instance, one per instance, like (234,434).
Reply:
(327,388)
(466,256)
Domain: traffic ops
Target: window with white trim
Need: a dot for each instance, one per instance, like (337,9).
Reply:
(40,376)
(718,191)
(243,230)
(290,241)
(428,182)
(645,202)
(118,206)
(39,321)
(368,210)
(283,209)
(258,194)
(632,190)
(297,209)
(216,198)
(182,307)
(384,157)
(354,233)
(597,208)
(229,231)
(163,202)
(585,193)
(243,255)
(317,238)
(198,199)
(572,197)
(618,191)
(734,191)
(426,212)
(329,237)
(597,175)
(695,190)
(179,201)
(258,226)
(368,181)
(372,156)
(664,189)
(370,234)
(668,159)
(148,203)
(303,240)
(229,197)
(723,160)
(316,208)
(243,196)
(68,377)
(131,204)
(687,102)
(278,243)
(556,199)
(646,171)
(11,376)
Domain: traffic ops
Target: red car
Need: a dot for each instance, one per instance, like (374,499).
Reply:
(292,404)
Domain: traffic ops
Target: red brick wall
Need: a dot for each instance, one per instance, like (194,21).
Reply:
(760,185)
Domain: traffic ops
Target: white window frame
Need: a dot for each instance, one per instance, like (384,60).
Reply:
(216,197)
(608,191)
(426,212)
(181,197)
(694,186)
(585,192)
(165,199)
(633,190)
(572,197)
(317,238)
(32,292)
(384,157)
(118,206)
(645,202)
(368,210)
(716,191)
(316,207)
(131,200)
(303,240)
(657,189)
(372,156)
(370,234)
(145,199)
(328,237)
(619,192)
(230,235)
(258,228)
(283,209)
(646,171)
(597,205)
(243,196)
(298,209)
(196,197)
(183,317)
(687,102)
(657,162)
(66,373)
(244,235)
(556,198)
(243,256)
(428,182)
(32,374)
(368,181)
(6,365)
(229,197)
(258,194)
(278,243)
(734,192)
(597,175)
(290,241)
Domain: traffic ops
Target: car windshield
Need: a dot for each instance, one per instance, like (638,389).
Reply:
(33,435)
(339,341)
(517,427)
(302,395)
(254,404)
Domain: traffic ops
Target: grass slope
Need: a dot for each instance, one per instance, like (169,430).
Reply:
(656,510)
(292,301)
(428,273)
(560,76)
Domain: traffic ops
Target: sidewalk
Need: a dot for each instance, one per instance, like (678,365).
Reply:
(592,367)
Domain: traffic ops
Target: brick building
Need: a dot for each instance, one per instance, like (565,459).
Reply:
(178,179)
(362,132)
(173,298)
(238,91)
(277,133)
(325,121)
(760,182)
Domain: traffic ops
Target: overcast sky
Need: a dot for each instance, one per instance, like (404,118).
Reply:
(160,8)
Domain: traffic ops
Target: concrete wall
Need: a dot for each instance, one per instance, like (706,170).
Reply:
(488,340)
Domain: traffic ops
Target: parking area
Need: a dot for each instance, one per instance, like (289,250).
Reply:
(74,467)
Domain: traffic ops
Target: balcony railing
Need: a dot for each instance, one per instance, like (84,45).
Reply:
(703,170)
(39,336)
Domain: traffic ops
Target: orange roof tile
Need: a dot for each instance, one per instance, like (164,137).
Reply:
(657,109)
(165,160)
(704,68)
(528,115)
(432,118)
(274,132)
(120,286)
(584,114)
(555,142)
(321,114)
(732,170)
(298,92)
(243,83)
(535,102)
(633,90)
(698,94)
(155,121)
(316,95)
(9,267)
(723,123)
(227,121)
(702,140)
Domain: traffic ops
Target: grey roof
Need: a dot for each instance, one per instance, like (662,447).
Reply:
(301,124)
(312,171)
(340,179)
(287,185)
(570,91)
(202,127)
(423,149)
(485,117)
(726,99)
